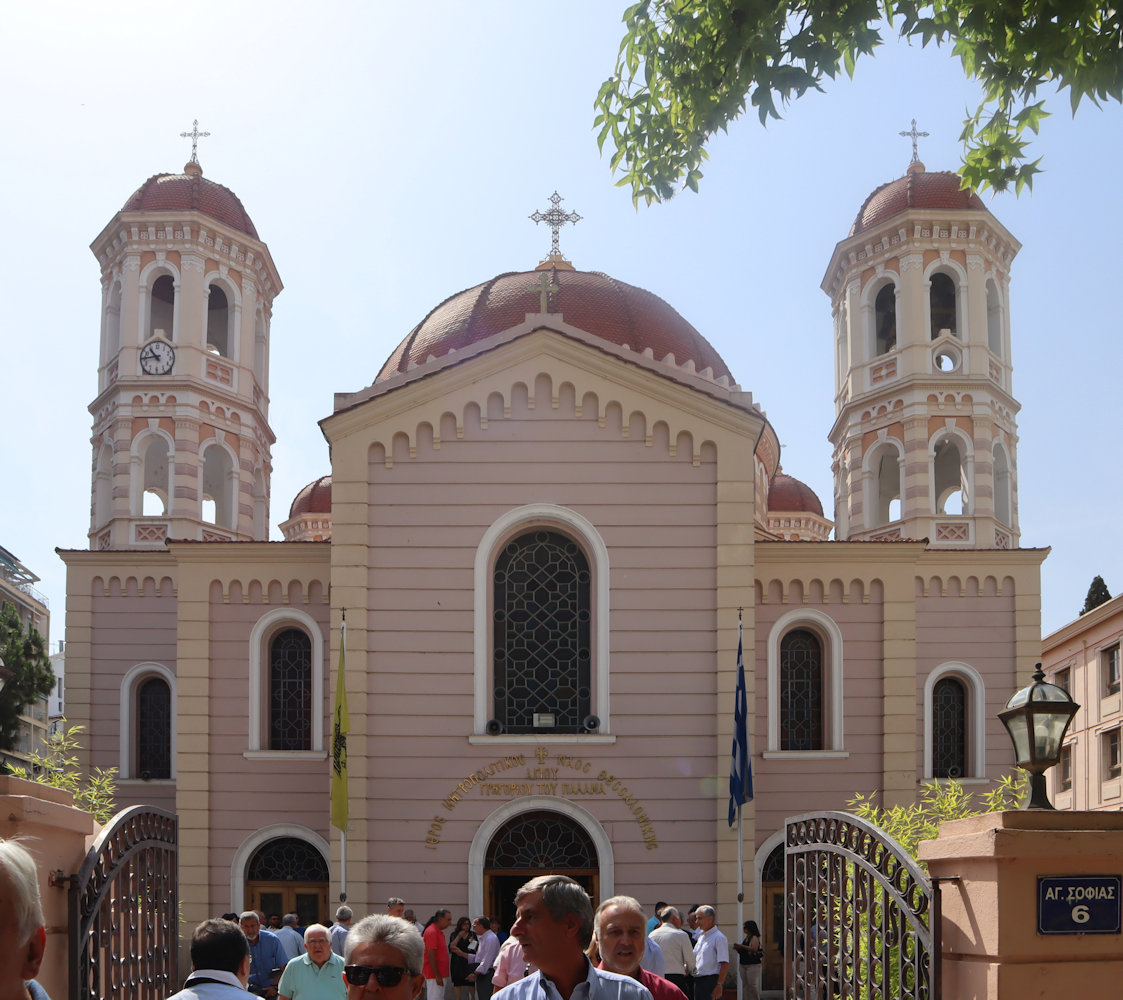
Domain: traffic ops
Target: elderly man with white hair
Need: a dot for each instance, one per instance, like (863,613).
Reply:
(711,952)
(621,931)
(317,974)
(21,925)
(384,956)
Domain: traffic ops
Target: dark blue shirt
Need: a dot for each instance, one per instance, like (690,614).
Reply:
(265,956)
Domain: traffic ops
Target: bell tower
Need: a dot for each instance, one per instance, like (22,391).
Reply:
(181,438)
(925,435)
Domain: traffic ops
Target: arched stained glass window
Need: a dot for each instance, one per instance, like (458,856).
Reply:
(290,691)
(949,728)
(154,729)
(287,859)
(773,870)
(801,691)
(541,641)
(544,841)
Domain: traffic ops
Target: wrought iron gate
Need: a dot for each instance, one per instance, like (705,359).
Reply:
(123,910)
(862,922)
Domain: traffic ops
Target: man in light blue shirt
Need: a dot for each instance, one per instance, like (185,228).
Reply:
(316,975)
(554,927)
(291,939)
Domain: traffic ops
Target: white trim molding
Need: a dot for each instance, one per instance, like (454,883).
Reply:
(245,852)
(976,764)
(133,676)
(832,653)
(257,661)
(477,850)
(530,515)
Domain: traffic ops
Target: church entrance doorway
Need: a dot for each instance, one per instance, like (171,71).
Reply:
(288,875)
(536,843)
(772,921)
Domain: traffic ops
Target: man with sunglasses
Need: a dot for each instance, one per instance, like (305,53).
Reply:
(383,957)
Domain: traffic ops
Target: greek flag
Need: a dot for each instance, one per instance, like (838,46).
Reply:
(740,770)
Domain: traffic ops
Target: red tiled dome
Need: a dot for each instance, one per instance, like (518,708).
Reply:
(788,494)
(617,312)
(917,189)
(315,498)
(191,191)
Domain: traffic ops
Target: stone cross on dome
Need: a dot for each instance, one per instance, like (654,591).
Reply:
(195,135)
(914,135)
(543,286)
(555,218)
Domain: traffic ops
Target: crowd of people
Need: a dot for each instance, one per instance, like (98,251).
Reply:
(557,945)
(558,948)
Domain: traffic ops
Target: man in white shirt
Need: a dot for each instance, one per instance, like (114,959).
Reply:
(486,954)
(554,927)
(678,949)
(291,939)
(220,958)
(711,952)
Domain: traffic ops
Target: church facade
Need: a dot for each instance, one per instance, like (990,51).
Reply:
(543,522)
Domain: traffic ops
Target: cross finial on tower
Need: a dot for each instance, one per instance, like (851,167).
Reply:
(914,135)
(555,218)
(195,135)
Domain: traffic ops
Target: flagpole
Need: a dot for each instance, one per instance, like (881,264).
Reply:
(740,859)
(341,725)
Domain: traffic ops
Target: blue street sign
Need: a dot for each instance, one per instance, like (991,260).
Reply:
(1079,904)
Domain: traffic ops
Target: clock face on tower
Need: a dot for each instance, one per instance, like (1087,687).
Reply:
(157,358)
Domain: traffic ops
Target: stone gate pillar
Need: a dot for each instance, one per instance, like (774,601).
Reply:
(1030,904)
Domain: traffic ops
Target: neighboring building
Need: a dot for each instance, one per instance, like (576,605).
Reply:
(1083,657)
(542,517)
(17,588)
(56,702)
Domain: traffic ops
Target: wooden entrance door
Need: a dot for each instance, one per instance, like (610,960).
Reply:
(772,935)
(308,900)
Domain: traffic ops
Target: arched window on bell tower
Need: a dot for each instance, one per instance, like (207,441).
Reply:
(218,501)
(218,322)
(152,467)
(994,319)
(161,308)
(950,475)
(884,477)
(112,323)
(942,304)
(885,319)
(1003,509)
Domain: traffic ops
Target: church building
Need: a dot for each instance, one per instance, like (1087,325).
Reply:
(544,516)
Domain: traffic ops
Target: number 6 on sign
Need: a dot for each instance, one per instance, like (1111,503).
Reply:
(1080,914)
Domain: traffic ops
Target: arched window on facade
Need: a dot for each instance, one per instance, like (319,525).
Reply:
(218,487)
(290,691)
(885,319)
(541,652)
(941,299)
(949,728)
(801,691)
(161,307)
(288,875)
(994,320)
(218,322)
(153,728)
(949,477)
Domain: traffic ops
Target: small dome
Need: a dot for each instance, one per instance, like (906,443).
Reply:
(191,192)
(619,313)
(917,189)
(788,494)
(315,498)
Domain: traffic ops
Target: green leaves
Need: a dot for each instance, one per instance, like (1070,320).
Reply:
(24,652)
(686,69)
(58,767)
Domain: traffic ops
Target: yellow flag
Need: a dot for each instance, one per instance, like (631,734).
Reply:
(341,726)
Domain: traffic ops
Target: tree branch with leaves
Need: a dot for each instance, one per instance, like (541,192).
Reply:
(24,652)
(686,69)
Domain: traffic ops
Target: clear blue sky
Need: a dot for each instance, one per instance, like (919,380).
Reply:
(390,154)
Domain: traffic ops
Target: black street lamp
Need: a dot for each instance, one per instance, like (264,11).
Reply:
(1037,718)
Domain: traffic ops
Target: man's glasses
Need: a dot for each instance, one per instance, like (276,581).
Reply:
(385,975)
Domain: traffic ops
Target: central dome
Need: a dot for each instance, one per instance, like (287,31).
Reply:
(191,192)
(612,310)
